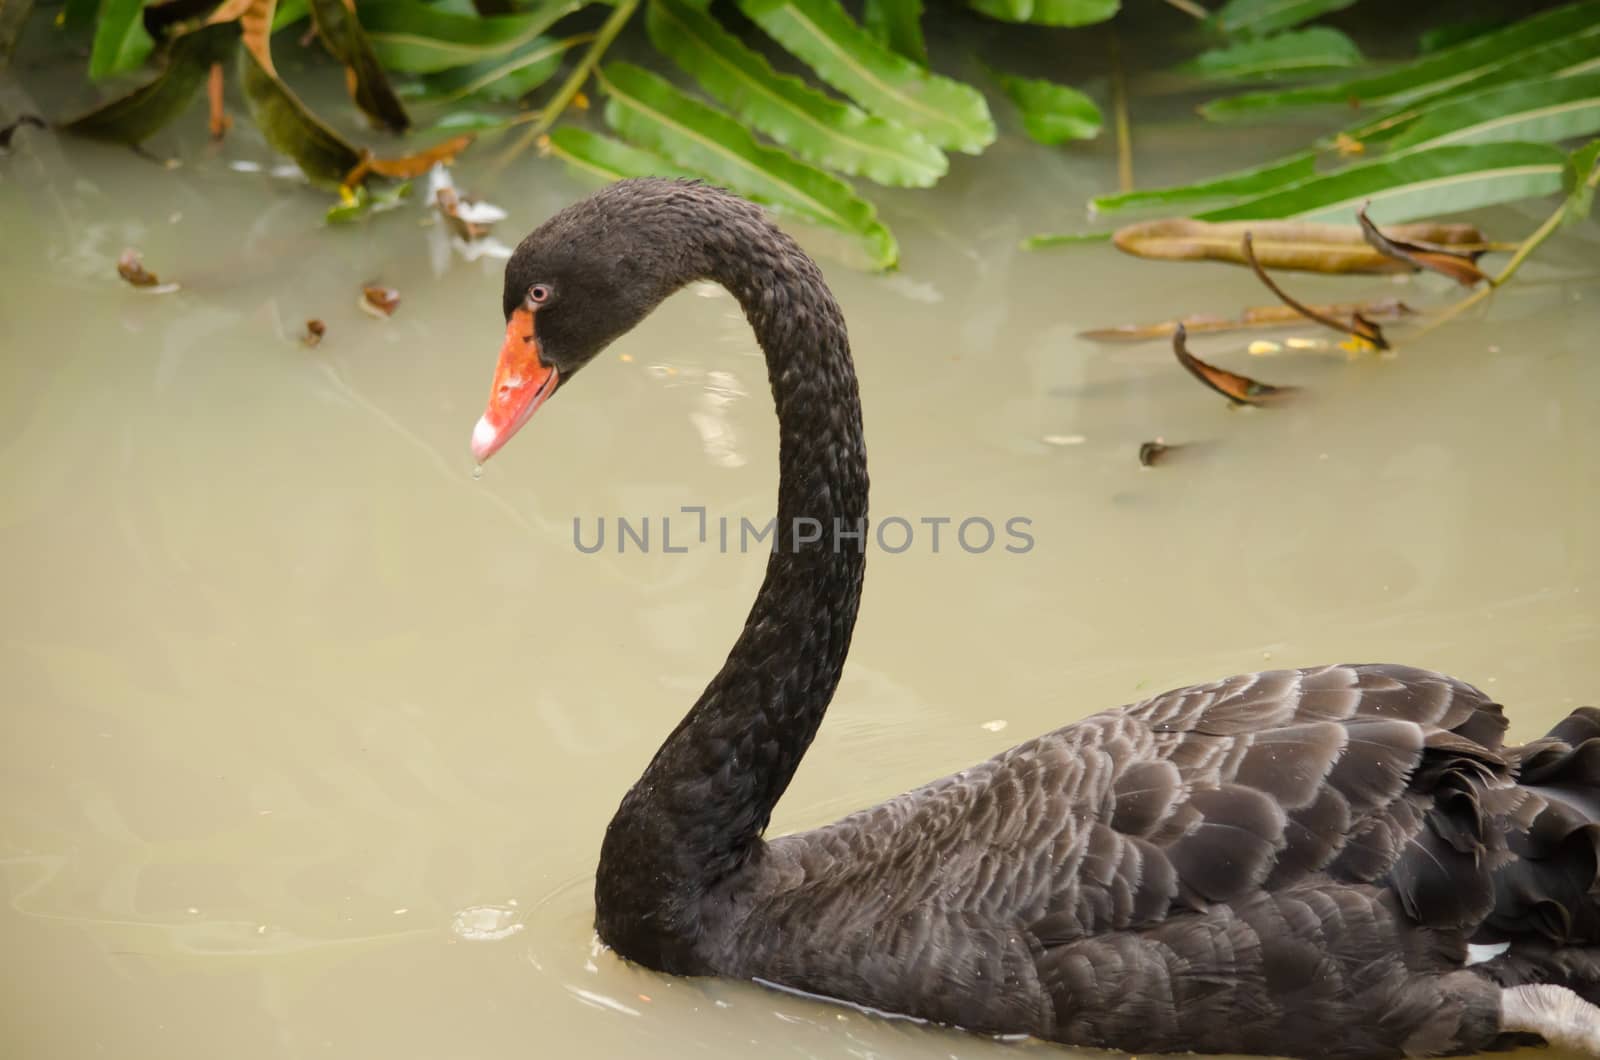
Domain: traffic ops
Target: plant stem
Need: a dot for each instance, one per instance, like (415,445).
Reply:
(1119,106)
(569,88)
(1189,7)
(1525,248)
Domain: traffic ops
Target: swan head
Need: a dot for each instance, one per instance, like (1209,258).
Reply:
(585,277)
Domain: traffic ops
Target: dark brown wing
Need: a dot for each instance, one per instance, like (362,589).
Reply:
(1190,872)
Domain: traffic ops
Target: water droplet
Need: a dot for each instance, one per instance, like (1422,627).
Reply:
(477,470)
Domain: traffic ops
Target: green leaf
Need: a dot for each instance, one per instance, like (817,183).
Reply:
(504,78)
(1052,113)
(413,37)
(1573,57)
(133,118)
(1540,111)
(1244,182)
(1048,12)
(120,41)
(1498,53)
(814,126)
(594,155)
(649,111)
(341,33)
(460,121)
(363,202)
(1257,18)
(77,14)
(290,129)
(1064,239)
(897,25)
(289,12)
(1411,186)
(1579,178)
(948,113)
(1284,55)
(1438,38)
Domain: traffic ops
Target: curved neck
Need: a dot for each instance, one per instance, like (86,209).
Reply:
(695,817)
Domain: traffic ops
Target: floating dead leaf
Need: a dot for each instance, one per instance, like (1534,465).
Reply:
(9,131)
(379,301)
(466,216)
(407,167)
(1151,453)
(1267,316)
(1239,389)
(1460,265)
(130,266)
(315,329)
(1299,245)
(219,122)
(1361,326)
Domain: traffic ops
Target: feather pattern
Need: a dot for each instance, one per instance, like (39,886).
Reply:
(1289,862)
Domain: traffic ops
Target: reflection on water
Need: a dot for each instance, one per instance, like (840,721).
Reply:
(312,737)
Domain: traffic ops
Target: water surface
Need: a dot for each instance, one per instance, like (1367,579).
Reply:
(311,737)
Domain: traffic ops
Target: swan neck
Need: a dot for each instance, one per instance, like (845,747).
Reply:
(694,820)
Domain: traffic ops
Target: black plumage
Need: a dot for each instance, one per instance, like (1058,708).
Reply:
(1290,862)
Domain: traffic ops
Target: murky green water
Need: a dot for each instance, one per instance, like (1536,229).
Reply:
(310,737)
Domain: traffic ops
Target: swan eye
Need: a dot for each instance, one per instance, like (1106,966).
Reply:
(540,293)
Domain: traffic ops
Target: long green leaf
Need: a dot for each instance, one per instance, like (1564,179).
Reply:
(814,126)
(290,129)
(594,155)
(1259,17)
(135,117)
(1541,111)
(1573,57)
(341,33)
(1048,12)
(120,41)
(950,114)
(1426,184)
(1465,63)
(897,25)
(1239,184)
(413,37)
(1283,55)
(289,12)
(1579,179)
(1052,113)
(506,77)
(652,113)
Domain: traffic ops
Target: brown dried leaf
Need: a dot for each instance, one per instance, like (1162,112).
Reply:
(408,167)
(1298,245)
(1359,326)
(1239,389)
(1460,265)
(1266,316)
(219,122)
(380,301)
(130,266)
(315,329)
(449,204)
(1150,453)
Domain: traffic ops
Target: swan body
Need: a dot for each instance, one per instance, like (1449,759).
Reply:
(1345,861)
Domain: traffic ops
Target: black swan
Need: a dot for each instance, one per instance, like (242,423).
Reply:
(1335,862)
